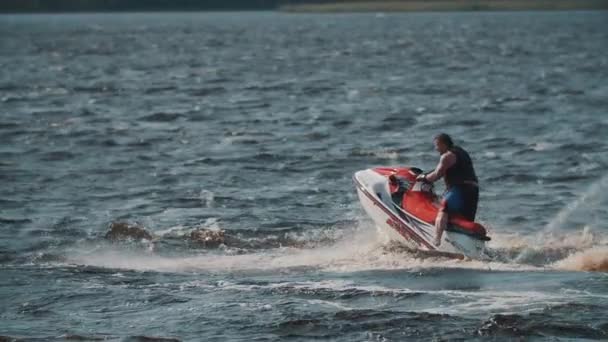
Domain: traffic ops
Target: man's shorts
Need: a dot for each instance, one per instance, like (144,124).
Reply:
(462,200)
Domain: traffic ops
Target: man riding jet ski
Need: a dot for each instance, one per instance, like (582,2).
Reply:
(401,201)
(462,191)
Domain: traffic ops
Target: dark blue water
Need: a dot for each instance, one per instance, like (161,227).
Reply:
(253,123)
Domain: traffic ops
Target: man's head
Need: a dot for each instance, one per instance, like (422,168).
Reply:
(443,143)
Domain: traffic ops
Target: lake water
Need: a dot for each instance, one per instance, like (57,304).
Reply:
(254,123)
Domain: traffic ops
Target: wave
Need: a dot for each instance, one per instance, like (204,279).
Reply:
(355,245)
(544,248)
(356,249)
(349,249)
(97,337)
(519,326)
(382,154)
(593,259)
(332,325)
(161,117)
(296,254)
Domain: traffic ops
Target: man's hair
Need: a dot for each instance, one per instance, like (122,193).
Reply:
(444,138)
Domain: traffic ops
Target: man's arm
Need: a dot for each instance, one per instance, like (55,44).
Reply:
(446,161)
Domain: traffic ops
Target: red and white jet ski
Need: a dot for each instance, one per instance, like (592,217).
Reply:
(406,209)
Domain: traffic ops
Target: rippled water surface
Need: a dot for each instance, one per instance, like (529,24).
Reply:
(253,123)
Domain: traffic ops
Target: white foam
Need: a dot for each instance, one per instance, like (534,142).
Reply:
(504,302)
(425,119)
(592,259)
(357,248)
(177,231)
(361,249)
(207,198)
(455,302)
(543,146)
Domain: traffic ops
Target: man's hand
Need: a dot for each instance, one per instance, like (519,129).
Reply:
(421,177)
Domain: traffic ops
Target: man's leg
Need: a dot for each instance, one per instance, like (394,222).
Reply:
(440,224)
(451,203)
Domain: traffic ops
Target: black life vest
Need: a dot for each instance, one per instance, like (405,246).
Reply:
(462,171)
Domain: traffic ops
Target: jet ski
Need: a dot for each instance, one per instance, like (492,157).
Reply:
(405,209)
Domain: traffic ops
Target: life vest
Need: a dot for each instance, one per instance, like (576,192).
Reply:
(462,171)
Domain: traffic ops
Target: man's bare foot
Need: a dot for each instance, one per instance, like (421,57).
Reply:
(437,242)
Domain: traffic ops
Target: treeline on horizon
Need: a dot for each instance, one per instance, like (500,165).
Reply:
(145,5)
(27,6)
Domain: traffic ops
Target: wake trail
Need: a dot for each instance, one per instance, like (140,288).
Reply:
(560,245)
(362,247)
(366,249)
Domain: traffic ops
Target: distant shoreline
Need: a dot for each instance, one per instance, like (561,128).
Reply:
(117,6)
(304,6)
(131,11)
(445,5)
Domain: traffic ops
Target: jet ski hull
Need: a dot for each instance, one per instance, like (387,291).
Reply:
(375,196)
